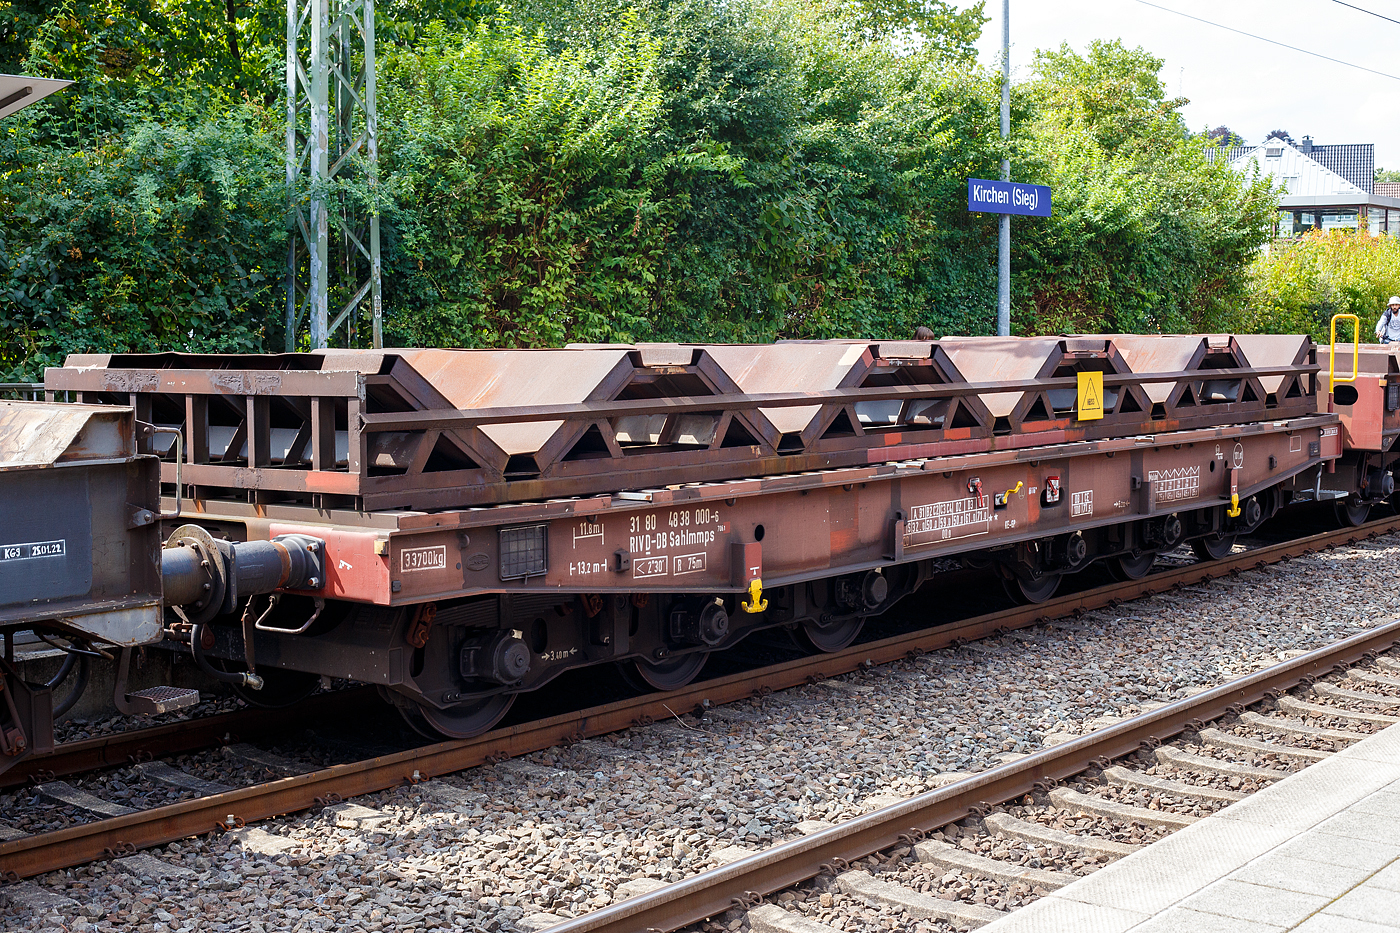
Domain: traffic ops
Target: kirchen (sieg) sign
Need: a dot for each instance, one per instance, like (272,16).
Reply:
(1008,197)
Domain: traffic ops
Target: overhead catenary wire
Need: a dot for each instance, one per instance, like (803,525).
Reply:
(1361,9)
(1285,45)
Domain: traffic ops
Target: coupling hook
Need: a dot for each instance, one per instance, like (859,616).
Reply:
(756,603)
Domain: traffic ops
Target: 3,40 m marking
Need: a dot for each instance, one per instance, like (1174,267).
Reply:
(31,550)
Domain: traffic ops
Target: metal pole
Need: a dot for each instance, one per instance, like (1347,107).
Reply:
(372,146)
(344,116)
(320,171)
(1004,238)
(293,169)
(327,86)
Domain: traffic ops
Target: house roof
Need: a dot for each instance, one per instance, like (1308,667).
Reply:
(1354,162)
(1302,176)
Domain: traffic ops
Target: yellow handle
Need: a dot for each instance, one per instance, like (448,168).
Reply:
(756,601)
(1004,498)
(1234,510)
(1332,377)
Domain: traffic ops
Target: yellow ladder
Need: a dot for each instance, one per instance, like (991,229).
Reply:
(1332,377)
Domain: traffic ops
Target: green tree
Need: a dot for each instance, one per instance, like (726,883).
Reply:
(1225,137)
(522,217)
(1115,92)
(584,170)
(158,238)
(938,24)
(1148,233)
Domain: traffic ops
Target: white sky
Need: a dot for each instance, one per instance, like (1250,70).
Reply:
(1250,86)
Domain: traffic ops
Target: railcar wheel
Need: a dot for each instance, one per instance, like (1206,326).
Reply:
(1349,515)
(828,638)
(1126,567)
(456,722)
(1213,547)
(671,674)
(1024,590)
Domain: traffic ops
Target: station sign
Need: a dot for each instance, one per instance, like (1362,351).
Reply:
(1008,197)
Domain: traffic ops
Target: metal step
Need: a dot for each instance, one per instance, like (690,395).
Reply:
(154,700)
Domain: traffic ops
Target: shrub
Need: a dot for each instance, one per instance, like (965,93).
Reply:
(161,237)
(1299,284)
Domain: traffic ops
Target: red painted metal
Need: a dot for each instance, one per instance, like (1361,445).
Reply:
(661,467)
(433,429)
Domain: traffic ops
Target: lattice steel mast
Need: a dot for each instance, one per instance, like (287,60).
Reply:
(332,141)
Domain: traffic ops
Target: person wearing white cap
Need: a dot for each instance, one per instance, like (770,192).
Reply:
(1388,327)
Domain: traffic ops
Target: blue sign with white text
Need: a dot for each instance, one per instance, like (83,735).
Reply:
(1008,197)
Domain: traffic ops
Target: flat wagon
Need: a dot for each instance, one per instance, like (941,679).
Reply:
(473,523)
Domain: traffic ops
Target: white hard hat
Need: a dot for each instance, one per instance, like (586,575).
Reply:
(1394,300)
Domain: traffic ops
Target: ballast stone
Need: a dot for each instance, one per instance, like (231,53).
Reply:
(637,887)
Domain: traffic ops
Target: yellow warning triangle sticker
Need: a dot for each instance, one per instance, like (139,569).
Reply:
(1090,396)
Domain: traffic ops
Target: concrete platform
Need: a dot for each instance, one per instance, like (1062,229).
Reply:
(1318,852)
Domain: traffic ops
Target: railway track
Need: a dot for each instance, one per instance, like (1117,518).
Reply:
(127,832)
(1023,806)
(151,742)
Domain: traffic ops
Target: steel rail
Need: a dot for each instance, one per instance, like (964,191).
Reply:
(464,418)
(719,889)
(33,855)
(122,748)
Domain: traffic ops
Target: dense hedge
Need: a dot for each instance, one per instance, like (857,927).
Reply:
(1149,235)
(592,170)
(163,237)
(1298,285)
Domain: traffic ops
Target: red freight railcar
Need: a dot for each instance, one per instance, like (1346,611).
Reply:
(476,522)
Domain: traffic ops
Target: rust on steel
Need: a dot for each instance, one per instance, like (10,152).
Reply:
(34,855)
(681,471)
(429,428)
(745,402)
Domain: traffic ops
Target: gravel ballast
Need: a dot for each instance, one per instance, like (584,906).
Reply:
(484,849)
